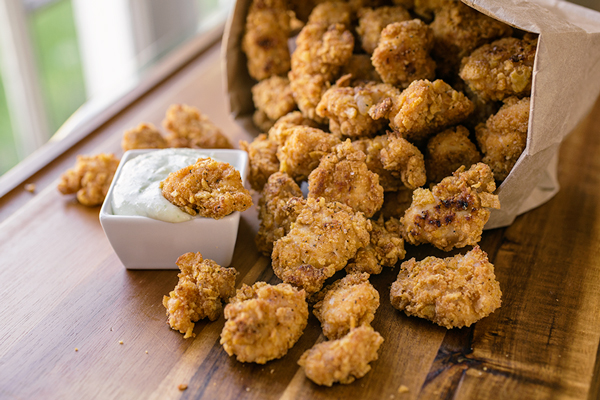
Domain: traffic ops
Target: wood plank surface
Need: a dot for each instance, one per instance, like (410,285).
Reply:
(68,303)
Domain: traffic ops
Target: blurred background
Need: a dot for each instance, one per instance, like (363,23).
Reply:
(57,54)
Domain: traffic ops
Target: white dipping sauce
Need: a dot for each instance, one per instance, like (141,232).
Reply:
(137,190)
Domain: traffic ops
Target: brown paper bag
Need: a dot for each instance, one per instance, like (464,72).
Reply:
(566,82)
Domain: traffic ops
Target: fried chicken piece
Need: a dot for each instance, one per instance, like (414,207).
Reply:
(209,188)
(359,66)
(348,108)
(458,30)
(90,178)
(501,69)
(453,213)
(262,121)
(405,160)
(372,148)
(303,150)
(274,97)
(371,22)
(503,137)
(275,212)
(265,39)
(279,132)
(198,294)
(425,108)
(307,90)
(447,151)
(343,176)
(452,292)
(320,242)
(262,156)
(348,303)
(342,360)
(384,250)
(143,136)
(402,53)
(264,322)
(396,203)
(189,128)
(331,12)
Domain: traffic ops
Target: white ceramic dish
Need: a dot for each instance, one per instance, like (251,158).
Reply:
(146,243)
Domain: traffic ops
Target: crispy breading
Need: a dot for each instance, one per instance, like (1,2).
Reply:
(307,90)
(209,188)
(331,12)
(453,213)
(342,360)
(347,109)
(90,178)
(274,97)
(343,176)
(427,8)
(347,303)
(189,128)
(501,69)
(262,157)
(359,66)
(425,108)
(372,148)
(198,294)
(458,30)
(320,242)
(303,150)
(402,53)
(503,137)
(447,151)
(264,321)
(371,22)
(279,132)
(396,203)
(143,136)
(274,212)
(452,292)
(265,39)
(262,121)
(405,160)
(386,247)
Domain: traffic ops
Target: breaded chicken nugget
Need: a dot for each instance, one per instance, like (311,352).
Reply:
(275,213)
(347,303)
(425,108)
(402,53)
(331,12)
(209,188)
(501,69)
(265,39)
(343,176)
(279,132)
(458,30)
(371,22)
(454,212)
(261,120)
(320,242)
(503,137)
(342,360)
(262,157)
(143,136)
(372,148)
(189,128)
(303,150)
(447,151)
(452,292)
(396,203)
(90,178)
(264,322)
(274,97)
(198,294)
(307,90)
(405,160)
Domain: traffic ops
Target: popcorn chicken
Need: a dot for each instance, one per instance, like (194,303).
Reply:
(90,178)
(279,132)
(452,292)
(264,322)
(372,147)
(262,157)
(405,160)
(371,21)
(447,151)
(189,128)
(144,136)
(198,294)
(331,12)
(274,97)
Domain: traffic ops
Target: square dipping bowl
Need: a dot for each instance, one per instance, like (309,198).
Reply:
(145,243)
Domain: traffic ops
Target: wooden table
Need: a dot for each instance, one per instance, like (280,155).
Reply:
(77,324)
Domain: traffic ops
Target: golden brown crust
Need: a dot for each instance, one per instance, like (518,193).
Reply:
(208,188)
(452,292)
(143,136)
(331,12)
(198,294)
(372,147)
(279,132)
(447,151)
(371,21)
(90,178)
(320,242)
(454,212)
(264,322)
(262,157)
(405,160)
(343,360)
(273,96)
(189,128)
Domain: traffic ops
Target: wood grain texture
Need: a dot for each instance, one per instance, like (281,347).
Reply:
(63,288)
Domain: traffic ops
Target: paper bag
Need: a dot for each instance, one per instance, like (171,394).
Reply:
(566,83)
